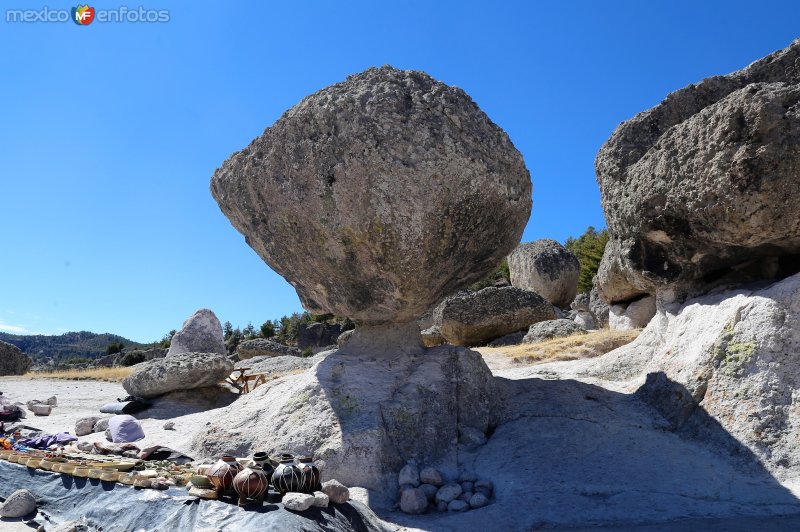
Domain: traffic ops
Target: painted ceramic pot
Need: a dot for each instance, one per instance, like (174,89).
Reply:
(251,483)
(222,473)
(287,476)
(310,474)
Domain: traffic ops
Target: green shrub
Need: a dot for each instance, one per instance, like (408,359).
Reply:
(589,248)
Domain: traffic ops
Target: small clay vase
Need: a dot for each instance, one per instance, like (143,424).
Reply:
(310,474)
(251,483)
(287,476)
(223,472)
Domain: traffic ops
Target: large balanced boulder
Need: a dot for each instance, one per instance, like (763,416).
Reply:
(183,371)
(201,333)
(702,190)
(378,196)
(261,347)
(547,268)
(12,360)
(476,318)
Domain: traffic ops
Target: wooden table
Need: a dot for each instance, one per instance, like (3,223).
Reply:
(247,383)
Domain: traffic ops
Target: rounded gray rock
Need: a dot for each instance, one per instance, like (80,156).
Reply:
(430,475)
(413,501)
(546,330)
(478,500)
(703,188)
(201,333)
(475,318)
(457,506)
(409,475)
(85,425)
(298,502)
(18,504)
(336,491)
(12,360)
(547,268)
(183,371)
(262,347)
(448,492)
(379,195)
(429,490)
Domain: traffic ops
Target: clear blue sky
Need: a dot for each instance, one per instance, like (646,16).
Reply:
(110,132)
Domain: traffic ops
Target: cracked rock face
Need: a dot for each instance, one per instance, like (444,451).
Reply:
(378,196)
(705,185)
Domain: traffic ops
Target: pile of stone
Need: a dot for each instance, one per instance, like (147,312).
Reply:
(425,489)
(332,491)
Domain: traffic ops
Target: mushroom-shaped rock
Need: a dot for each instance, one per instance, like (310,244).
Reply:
(201,333)
(547,268)
(378,196)
(702,189)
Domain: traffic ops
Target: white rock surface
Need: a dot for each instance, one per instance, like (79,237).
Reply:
(635,315)
(336,491)
(321,500)
(298,502)
(201,333)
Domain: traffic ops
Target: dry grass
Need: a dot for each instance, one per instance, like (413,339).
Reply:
(573,347)
(91,374)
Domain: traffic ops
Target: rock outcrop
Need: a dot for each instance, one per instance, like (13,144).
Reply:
(475,318)
(547,268)
(701,190)
(387,201)
(261,347)
(634,315)
(317,336)
(201,333)
(12,360)
(361,421)
(547,330)
(183,371)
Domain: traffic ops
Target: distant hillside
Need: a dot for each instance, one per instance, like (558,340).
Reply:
(72,344)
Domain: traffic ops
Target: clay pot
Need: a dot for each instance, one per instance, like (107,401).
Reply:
(251,483)
(287,476)
(222,473)
(310,473)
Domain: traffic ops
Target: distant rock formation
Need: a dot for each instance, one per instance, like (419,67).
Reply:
(547,268)
(12,360)
(702,189)
(201,333)
(259,347)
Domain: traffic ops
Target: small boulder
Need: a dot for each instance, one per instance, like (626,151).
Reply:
(485,487)
(40,409)
(101,425)
(547,268)
(457,505)
(466,496)
(169,425)
(299,502)
(85,425)
(409,475)
(52,400)
(546,330)
(448,492)
(429,490)
(201,333)
(432,336)
(585,320)
(182,371)
(18,504)
(635,315)
(514,338)
(321,500)
(413,501)
(336,491)
(12,360)
(430,475)
(467,486)
(478,500)
(476,318)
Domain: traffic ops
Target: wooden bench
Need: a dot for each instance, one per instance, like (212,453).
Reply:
(247,382)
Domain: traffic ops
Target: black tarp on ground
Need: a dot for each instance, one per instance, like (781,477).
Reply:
(116,507)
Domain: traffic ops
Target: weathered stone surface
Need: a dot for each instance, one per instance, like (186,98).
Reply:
(448,492)
(432,336)
(321,500)
(478,500)
(409,475)
(635,315)
(349,402)
(12,360)
(299,502)
(343,338)
(336,491)
(201,333)
(702,189)
(101,425)
(430,491)
(457,506)
(475,318)
(40,409)
(388,199)
(261,347)
(182,371)
(585,320)
(281,364)
(317,336)
(597,306)
(430,475)
(18,504)
(547,268)
(413,501)
(85,425)
(546,330)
